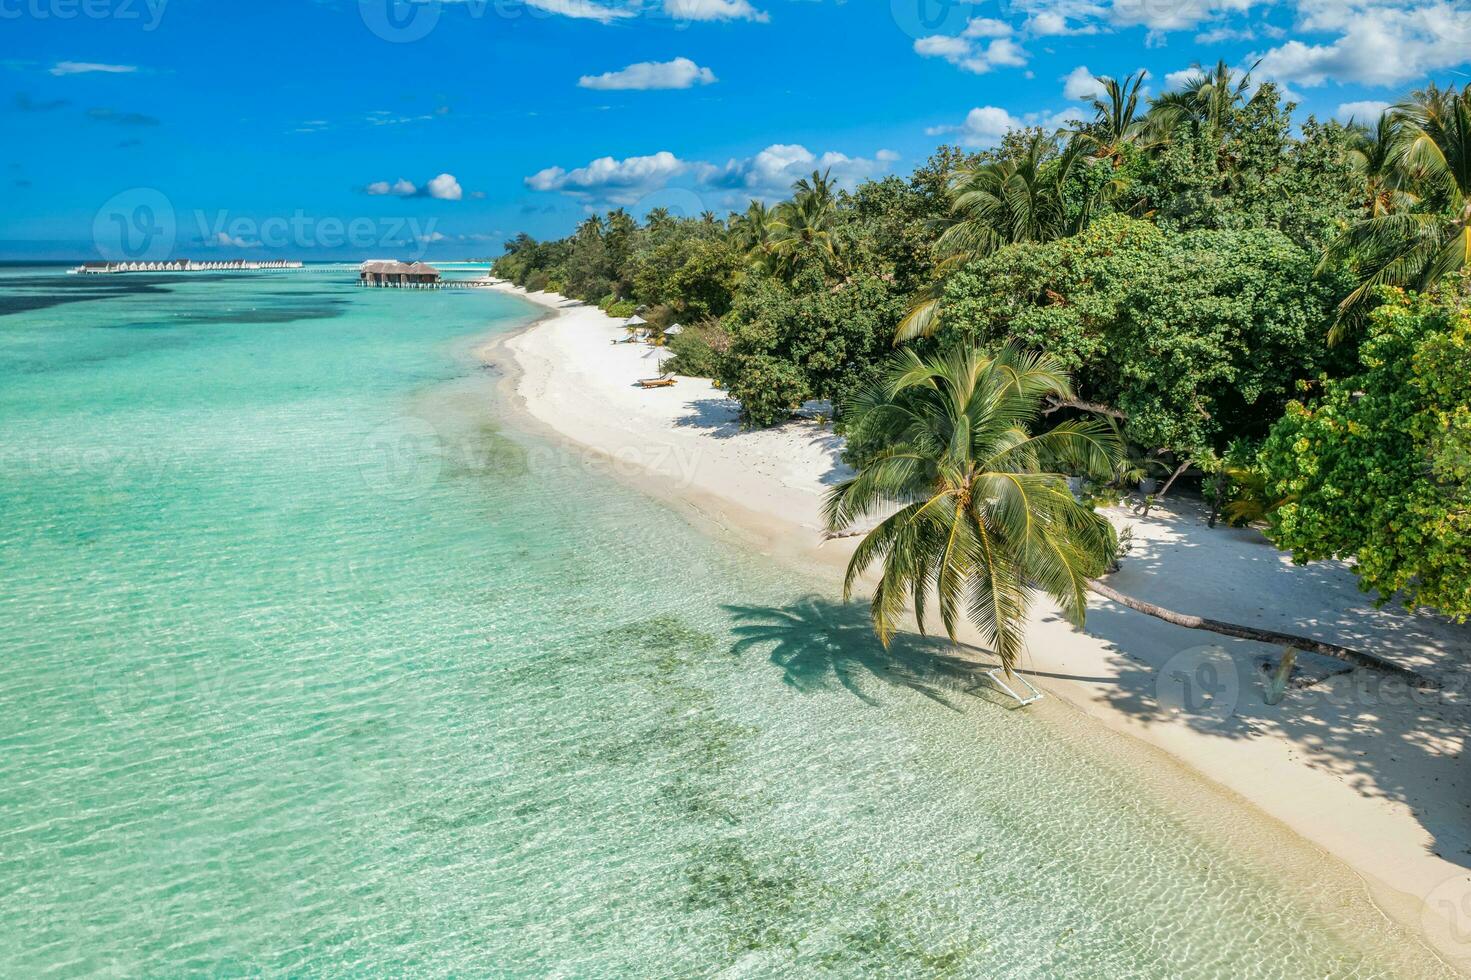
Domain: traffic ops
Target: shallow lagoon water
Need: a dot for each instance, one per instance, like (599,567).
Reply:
(314,665)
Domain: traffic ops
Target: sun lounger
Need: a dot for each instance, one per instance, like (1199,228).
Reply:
(656,382)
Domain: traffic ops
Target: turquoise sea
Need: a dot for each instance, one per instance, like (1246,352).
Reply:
(313,665)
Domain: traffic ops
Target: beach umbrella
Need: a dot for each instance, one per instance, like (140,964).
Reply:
(672,329)
(635,321)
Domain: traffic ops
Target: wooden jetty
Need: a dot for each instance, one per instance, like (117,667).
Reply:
(181,265)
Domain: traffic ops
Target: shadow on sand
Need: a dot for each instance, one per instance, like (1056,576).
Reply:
(1374,733)
(820,644)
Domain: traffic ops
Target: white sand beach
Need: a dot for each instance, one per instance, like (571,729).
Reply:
(1368,771)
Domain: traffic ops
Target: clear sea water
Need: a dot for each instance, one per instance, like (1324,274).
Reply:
(313,665)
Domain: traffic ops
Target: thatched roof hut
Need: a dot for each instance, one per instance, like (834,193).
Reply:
(389,272)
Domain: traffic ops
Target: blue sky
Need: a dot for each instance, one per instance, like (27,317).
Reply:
(339,128)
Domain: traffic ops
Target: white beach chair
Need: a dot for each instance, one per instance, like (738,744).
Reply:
(1033,694)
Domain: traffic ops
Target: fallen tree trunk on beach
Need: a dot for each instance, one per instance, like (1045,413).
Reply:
(1305,643)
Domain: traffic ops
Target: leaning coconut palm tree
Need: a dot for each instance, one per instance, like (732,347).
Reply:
(985,520)
(982,519)
(1415,247)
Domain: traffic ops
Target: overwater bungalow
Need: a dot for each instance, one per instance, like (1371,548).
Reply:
(381,272)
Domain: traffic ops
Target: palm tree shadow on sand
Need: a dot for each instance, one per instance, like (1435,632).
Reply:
(820,645)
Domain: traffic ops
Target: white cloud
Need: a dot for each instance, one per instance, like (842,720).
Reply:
(1377,44)
(1049,23)
(1080,83)
(985,126)
(399,188)
(714,10)
(967,50)
(442,188)
(1061,119)
(1367,112)
(1063,17)
(679,73)
(986,27)
(1218,35)
(582,10)
(772,172)
(769,173)
(224,239)
(87,67)
(1176,80)
(619,181)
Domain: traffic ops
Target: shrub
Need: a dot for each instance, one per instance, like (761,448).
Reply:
(1378,467)
(769,390)
(698,351)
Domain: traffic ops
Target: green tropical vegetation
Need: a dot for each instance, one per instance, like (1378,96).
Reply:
(977,512)
(1199,289)
(1377,467)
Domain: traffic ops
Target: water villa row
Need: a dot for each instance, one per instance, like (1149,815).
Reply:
(180,265)
(390,274)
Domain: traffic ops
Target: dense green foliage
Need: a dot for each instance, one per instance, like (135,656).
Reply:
(1198,337)
(1378,467)
(833,338)
(1191,262)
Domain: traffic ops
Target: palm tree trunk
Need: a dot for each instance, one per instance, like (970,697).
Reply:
(1173,477)
(1346,654)
(1216,497)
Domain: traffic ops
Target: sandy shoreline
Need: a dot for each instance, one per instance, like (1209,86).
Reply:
(1367,772)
